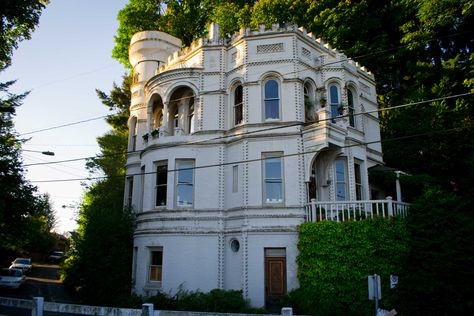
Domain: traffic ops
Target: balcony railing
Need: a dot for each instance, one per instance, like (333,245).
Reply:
(341,211)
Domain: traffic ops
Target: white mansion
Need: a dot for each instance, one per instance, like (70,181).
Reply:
(230,139)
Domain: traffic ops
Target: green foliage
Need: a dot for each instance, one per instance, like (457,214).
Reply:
(437,276)
(26,217)
(18,18)
(217,300)
(336,258)
(100,266)
(271,11)
(136,16)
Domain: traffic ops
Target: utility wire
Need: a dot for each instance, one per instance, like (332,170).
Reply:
(261,159)
(287,73)
(65,125)
(257,131)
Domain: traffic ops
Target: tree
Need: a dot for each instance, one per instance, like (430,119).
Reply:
(18,19)
(100,267)
(436,278)
(26,218)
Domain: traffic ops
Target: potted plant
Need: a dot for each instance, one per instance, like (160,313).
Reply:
(322,101)
(145,137)
(155,132)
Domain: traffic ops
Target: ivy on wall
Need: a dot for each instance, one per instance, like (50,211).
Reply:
(336,258)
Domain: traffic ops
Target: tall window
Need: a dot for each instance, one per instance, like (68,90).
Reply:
(191,116)
(238,111)
(273,179)
(161,183)
(350,107)
(334,100)
(272,100)
(185,183)
(341,181)
(358,182)
(156,265)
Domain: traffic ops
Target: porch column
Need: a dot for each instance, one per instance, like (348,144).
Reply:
(164,119)
(398,186)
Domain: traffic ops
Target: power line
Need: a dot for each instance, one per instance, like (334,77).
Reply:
(261,159)
(188,97)
(65,125)
(258,131)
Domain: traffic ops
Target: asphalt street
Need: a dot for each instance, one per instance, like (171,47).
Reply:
(42,281)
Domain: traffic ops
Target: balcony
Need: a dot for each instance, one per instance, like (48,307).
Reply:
(341,211)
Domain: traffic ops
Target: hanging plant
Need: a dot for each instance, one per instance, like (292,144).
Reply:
(155,132)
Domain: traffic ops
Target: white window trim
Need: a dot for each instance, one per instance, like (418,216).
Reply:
(177,161)
(234,106)
(149,282)
(279,100)
(282,174)
(156,165)
(346,189)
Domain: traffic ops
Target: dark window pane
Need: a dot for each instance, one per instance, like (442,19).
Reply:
(238,114)
(238,95)
(156,258)
(161,196)
(162,175)
(334,95)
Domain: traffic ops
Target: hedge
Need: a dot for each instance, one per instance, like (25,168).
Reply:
(336,258)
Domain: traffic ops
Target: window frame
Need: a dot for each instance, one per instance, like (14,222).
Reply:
(342,160)
(157,165)
(150,265)
(265,158)
(237,106)
(359,186)
(265,99)
(177,184)
(334,106)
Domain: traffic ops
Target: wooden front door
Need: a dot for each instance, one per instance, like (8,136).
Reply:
(275,279)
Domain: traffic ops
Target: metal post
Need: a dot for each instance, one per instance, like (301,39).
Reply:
(37,306)
(376,294)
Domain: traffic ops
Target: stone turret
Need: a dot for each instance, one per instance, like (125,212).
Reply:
(147,52)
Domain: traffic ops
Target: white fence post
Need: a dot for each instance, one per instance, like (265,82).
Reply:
(390,206)
(37,306)
(287,311)
(147,309)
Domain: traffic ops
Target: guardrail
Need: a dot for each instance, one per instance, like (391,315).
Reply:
(38,306)
(341,211)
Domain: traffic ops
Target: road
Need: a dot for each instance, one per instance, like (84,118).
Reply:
(42,281)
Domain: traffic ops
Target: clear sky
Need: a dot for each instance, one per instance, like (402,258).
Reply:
(68,57)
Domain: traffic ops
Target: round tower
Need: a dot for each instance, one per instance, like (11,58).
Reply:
(147,51)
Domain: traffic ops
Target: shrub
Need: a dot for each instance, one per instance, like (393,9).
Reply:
(336,258)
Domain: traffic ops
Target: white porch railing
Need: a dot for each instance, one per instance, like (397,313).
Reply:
(341,211)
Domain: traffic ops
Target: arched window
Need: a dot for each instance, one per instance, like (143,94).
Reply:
(238,110)
(334,100)
(350,107)
(157,113)
(271,100)
(181,112)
